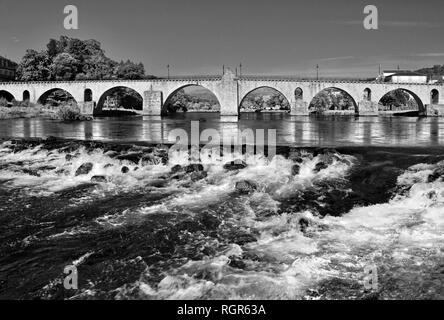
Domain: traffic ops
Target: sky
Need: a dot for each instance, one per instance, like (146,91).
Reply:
(279,37)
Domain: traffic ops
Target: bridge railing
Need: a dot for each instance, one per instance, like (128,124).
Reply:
(196,78)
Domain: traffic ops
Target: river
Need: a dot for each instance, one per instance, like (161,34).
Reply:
(307,224)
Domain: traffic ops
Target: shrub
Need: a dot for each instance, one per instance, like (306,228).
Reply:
(3,102)
(70,112)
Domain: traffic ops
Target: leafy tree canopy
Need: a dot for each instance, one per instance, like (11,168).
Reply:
(74,59)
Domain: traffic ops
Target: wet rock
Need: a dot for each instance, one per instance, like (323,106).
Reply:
(46,168)
(303,224)
(196,176)
(242,238)
(124,169)
(108,165)
(195,167)
(111,153)
(84,169)
(31,172)
(177,168)
(320,166)
(236,262)
(149,159)
(295,156)
(99,179)
(246,186)
(136,168)
(235,165)
(134,157)
(209,221)
(295,169)
(438,174)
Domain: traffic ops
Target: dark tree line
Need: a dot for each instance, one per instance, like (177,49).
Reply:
(74,59)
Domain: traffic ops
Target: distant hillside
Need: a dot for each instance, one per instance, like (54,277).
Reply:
(436,70)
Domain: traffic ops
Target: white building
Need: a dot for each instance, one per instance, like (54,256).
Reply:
(403,76)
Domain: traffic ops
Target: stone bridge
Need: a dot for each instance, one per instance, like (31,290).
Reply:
(230,90)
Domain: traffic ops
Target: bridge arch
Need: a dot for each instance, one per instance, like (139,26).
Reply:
(326,101)
(118,99)
(434,96)
(55,96)
(179,99)
(385,99)
(8,96)
(283,100)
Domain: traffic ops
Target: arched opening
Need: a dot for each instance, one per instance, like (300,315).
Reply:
(367,94)
(191,98)
(119,101)
(434,96)
(6,98)
(401,102)
(333,101)
(87,95)
(298,94)
(56,97)
(26,95)
(264,99)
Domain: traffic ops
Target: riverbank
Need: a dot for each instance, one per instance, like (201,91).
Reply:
(15,112)
(68,113)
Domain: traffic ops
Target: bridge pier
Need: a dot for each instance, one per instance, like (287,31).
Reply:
(367,108)
(299,108)
(227,94)
(86,108)
(152,103)
(435,110)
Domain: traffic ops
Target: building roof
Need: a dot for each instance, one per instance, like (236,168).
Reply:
(407,73)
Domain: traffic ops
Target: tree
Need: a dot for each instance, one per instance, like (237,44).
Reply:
(34,66)
(130,70)
(70,58)
(64,67)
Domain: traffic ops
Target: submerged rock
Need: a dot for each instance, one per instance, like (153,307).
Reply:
(108,165)
(235,165)
(131,157)
(84,169)
(158,183)
(246,186)
(295,156)
(320,166)
(125,169)
(68,157)
(295,169)
(196,176)
(99,179)
(111,153)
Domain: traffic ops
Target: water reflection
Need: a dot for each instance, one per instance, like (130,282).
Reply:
(294,130)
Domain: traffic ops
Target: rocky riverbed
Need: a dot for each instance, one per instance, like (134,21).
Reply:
(141,225)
